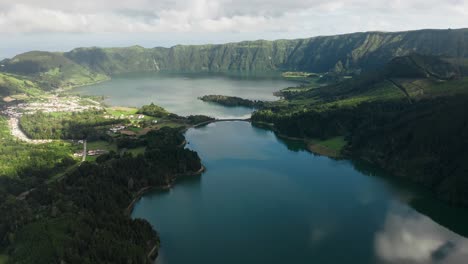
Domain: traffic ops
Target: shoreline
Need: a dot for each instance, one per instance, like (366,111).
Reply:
(153,253)
(128,211)
(314,148)
(71,87)
(311,147)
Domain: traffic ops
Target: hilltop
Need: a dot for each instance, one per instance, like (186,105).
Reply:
(49,70)
(344,54)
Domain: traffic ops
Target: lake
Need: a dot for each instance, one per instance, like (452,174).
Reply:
(178,93)
(267,200)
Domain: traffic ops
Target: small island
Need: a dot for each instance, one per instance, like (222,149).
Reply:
(232,101)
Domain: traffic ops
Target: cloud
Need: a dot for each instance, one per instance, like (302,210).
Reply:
(408,237)
(314,16)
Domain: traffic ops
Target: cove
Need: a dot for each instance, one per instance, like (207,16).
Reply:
(267,200)
(178,93)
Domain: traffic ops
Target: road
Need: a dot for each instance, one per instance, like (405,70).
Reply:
(85,151)
(16,132)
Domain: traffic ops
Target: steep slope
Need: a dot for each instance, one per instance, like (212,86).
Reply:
(409,76)
(114,60)
(342,53)
(349,52)
(12,84)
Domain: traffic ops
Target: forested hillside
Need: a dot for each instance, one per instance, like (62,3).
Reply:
(80,217)
(410,118)
(350,52)
(49,70)
(342,53)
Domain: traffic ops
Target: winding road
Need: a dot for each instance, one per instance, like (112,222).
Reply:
(16,132)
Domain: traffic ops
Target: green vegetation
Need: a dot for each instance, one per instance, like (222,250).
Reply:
(330,147)
(406,113)
(231,101)
(37,161)
(51,70)
(137,151)
(345,55)
(409,118)
(166,119)
(3,259)
(101,144)
(12,84)
(121,111)
(86,125)
(153,110)
(197,119)
(79,216)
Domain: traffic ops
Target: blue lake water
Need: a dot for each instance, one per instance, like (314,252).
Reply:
(179,93)
(267,200)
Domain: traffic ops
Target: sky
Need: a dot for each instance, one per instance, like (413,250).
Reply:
(59,25)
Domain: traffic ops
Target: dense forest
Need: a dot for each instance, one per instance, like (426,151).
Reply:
(415,127)
(89,125)
(231,101)
(80,217)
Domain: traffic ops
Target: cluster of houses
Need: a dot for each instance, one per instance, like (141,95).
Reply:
(122,116)
(52,104)
(117,128)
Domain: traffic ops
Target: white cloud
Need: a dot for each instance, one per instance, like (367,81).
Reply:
(53,24)
(318,16)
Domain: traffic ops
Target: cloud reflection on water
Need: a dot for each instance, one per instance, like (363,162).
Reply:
(411,238)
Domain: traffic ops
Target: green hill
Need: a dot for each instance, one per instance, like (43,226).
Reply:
(349,53)
(412,76)
(50,70)
(409,117)
(12,84)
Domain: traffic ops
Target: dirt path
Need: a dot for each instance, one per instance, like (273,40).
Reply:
(16,132)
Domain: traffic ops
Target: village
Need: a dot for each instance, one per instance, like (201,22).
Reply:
(51,104)
(73,104)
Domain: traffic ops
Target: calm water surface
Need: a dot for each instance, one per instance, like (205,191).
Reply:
(178,93)
(264,200)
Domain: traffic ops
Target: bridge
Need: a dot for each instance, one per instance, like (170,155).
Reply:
(220,120)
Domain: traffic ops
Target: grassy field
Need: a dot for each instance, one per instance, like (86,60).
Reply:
(15,156)
(12,84)
(101,144)
(330,147)
(118,111)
